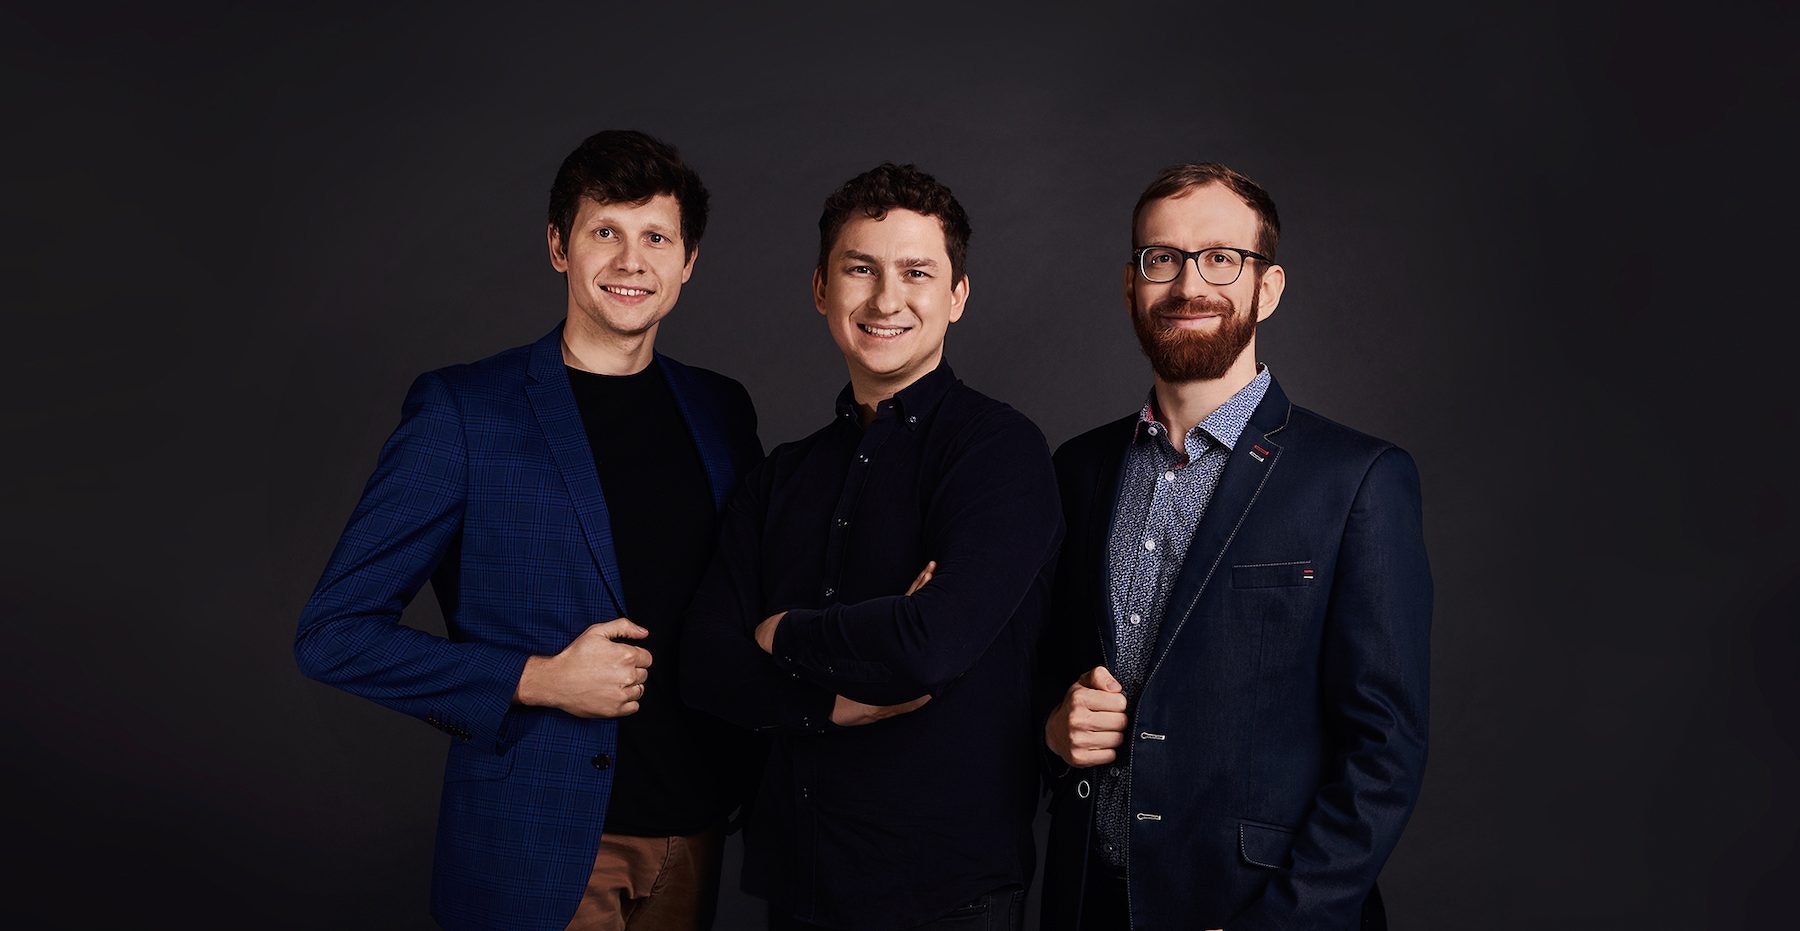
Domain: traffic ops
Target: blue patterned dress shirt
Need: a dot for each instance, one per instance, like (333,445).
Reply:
(1162,496)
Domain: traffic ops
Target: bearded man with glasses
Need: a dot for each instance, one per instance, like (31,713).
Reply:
(1233,678)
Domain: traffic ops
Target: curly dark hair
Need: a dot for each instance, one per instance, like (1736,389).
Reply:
(886,187)
(1177,179)
(626,166)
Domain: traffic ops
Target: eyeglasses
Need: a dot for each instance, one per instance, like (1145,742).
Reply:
(1220,265)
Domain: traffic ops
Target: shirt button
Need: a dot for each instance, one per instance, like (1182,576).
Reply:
(1112,771)
(1137,619)
(842,522)
(1149,544)
(830,592)
(602,761)
(1169,476)
(860,457)
(1154,430)
(912,419)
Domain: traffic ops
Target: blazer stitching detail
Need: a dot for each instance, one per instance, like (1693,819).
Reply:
(1289,415)
(1244,849)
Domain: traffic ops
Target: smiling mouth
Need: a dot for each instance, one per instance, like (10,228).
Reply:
(623,291)
(882,332)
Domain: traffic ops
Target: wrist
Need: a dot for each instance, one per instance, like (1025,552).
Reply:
(765,632)
(530,690)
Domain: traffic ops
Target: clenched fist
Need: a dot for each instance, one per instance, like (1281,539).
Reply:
(595,676)
(1088,728)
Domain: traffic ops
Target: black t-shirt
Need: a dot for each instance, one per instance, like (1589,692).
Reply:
(668,778)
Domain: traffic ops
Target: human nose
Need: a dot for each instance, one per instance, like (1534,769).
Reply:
(888,299)
(631,257)
(1191,283)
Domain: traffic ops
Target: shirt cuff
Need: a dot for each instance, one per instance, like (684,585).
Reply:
(791,638)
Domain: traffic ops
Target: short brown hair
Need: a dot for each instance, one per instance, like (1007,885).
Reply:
(886,187)
(1178,179)
(624,166)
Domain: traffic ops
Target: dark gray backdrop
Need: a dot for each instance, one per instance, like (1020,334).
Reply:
(1539,248)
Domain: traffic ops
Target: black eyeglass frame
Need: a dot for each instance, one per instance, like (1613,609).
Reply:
(1137,258)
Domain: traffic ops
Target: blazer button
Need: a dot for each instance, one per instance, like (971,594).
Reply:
(602,762)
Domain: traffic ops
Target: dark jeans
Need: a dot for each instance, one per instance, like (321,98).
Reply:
(1104,903)
(1000,910)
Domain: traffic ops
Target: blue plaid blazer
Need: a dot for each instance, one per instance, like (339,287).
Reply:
(488,489)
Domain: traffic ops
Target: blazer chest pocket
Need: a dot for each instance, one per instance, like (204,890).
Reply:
(1272,574)
(1264,845)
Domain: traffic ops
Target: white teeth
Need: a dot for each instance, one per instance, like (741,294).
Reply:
(625,292)
(882,330)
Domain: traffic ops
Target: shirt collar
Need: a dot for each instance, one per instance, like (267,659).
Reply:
(913,404)
(1225,425)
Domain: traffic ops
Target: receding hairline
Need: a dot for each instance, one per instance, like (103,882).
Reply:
(1255,218)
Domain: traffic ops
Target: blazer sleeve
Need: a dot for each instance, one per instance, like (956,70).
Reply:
(723,672)
(1374,678)
(993,526)
(1067,647)
(409,519)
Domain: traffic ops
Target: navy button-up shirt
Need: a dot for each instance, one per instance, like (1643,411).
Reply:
(889,824)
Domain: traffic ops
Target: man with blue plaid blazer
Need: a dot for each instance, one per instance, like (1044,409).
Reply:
(536,489)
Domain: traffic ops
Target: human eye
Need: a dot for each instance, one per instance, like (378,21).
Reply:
(1220,257)
(1159,257)
(917,274)
(657,239)
(859,270)
(605,232)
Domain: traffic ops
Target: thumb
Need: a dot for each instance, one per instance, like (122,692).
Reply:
(1105,682)
(621,627)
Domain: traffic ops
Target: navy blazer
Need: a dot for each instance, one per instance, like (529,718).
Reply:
(488,488)
(1278,742)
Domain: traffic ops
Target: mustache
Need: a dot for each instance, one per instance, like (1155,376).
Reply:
(1173,306)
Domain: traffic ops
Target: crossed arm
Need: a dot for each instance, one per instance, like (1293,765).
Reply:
(989,539)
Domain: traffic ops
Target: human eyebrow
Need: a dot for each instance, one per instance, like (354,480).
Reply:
(1166,244)
(917,263)
(862,257)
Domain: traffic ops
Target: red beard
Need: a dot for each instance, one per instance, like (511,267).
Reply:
(1180,355)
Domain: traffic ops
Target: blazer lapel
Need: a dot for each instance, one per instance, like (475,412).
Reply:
(1248,468)
(703,425)
(554,403)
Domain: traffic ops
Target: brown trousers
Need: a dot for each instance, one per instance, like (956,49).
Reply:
(652,884)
